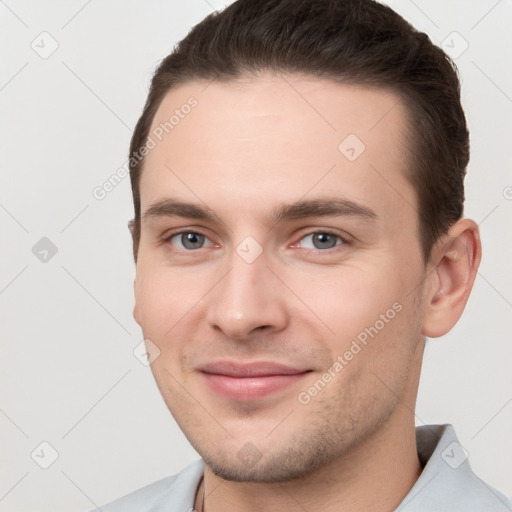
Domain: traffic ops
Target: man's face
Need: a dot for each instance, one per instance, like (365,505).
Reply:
(288,318)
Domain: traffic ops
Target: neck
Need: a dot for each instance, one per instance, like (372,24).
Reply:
(374,476)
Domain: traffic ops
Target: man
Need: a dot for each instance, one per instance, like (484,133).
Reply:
(297,176)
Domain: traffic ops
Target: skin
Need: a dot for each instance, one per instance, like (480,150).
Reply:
(249,147)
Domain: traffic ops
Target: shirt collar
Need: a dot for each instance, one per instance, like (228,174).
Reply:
(447,481)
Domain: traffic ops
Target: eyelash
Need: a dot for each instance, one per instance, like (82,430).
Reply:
(167,239)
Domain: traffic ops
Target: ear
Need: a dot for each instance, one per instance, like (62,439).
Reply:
(131,223)
(455,258)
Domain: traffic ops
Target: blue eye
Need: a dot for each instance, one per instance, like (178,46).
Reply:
(192,240)
(189,240)
(321,240)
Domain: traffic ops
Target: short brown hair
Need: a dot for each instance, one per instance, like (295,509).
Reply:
(350,41)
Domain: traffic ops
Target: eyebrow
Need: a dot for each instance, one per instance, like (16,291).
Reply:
(174,208)
(302,209)
(322,207)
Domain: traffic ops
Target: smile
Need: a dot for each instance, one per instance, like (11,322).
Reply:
(253,381)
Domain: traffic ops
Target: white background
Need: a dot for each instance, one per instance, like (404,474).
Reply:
(69,376)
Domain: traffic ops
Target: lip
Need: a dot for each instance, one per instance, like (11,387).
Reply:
(250,381)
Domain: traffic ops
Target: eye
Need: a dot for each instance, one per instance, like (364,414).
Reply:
(320,240)
(190,240)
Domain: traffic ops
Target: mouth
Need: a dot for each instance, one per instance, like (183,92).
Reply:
(250,381)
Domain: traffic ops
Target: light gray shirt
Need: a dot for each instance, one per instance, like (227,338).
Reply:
(446,484)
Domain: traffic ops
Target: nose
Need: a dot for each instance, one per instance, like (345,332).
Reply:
(247,300)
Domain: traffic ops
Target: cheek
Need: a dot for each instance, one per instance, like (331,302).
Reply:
(169,304)
(353,300)
(163,297)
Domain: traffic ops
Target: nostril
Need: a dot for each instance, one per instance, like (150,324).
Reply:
(262,327)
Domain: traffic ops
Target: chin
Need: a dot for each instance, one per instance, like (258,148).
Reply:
(251,465)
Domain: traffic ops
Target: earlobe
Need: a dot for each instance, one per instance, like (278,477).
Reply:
(457,256)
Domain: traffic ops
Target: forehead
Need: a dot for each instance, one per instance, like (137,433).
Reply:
(276,136)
